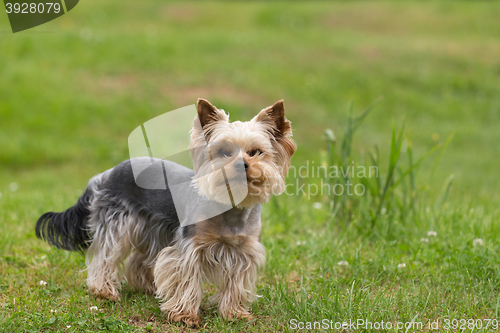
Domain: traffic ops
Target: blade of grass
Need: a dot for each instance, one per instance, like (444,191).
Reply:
(396,143)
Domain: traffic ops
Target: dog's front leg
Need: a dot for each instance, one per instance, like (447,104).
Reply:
(238,280)
(178,280)
(236,295)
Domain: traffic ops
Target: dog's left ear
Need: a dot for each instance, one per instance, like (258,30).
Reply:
(274,116)
(281,128)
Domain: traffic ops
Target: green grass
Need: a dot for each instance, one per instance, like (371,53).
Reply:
(72,90)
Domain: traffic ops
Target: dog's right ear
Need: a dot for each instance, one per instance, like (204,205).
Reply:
(207,113)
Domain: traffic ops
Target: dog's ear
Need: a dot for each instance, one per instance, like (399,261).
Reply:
(280,127)
(207,113)
(274,116)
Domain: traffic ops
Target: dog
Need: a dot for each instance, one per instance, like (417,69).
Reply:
(176,241)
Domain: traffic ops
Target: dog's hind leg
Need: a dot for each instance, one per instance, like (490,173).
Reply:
(110,247)
(139,273)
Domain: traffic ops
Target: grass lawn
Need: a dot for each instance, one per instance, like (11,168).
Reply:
(72,91)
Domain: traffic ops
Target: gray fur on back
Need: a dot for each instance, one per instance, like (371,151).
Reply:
(121,184)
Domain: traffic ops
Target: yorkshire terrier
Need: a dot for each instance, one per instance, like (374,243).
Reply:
(175,242)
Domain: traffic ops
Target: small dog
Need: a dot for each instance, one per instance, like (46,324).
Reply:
(168,254)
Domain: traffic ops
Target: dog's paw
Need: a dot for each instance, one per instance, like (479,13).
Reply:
(106,293)
(189,319)
(193,321)
(244,315)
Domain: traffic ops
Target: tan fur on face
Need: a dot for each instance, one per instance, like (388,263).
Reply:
(269,132)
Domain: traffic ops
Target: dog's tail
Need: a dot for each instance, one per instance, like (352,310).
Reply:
(68,230)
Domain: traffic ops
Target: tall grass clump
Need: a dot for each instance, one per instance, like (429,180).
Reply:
(373,190)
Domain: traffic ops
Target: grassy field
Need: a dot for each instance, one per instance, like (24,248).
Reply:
(72,91)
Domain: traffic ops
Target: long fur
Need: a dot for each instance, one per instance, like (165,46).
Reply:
(217,256)
(119,225)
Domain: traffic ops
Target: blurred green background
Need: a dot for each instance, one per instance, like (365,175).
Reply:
(73,89)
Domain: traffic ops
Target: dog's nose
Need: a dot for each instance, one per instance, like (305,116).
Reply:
(241,165)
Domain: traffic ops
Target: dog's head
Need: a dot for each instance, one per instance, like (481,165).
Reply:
(248,160)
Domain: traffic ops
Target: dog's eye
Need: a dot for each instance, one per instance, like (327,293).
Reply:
(224,153)
(255,152)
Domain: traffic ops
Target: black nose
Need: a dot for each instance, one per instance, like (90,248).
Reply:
(240,165)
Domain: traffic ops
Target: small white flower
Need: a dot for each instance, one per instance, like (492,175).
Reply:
(93,308)
(69,326)
(43,283)
(53,311)
(424,240)
(343,263)
(403,265)
(432,234)
(13,187)
(317,205)
(478,242)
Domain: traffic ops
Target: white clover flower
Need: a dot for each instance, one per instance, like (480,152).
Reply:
(424,240)
(343,263)
(13,187)
(432,234)
(93,308)
(317,205)
(43,283)
(403,265)
(478,242)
